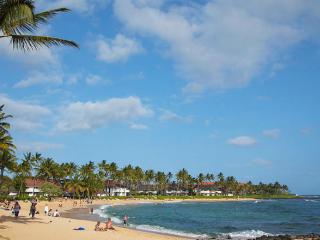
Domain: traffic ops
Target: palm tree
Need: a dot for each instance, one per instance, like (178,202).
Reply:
(18,21)
(75,185)
(24,170)
(200,180)
(4,126)
(7,161)
(6,142)
(47,169)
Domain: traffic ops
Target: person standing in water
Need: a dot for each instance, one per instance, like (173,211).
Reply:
(125,220)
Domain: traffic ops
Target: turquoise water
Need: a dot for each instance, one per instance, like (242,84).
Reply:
(237,219)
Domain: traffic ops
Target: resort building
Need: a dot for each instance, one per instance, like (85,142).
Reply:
(33,186)
(208,189)
(115,189)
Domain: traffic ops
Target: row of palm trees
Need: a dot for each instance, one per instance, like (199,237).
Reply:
(91,178)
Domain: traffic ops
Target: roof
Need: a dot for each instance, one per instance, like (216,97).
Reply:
(36,182)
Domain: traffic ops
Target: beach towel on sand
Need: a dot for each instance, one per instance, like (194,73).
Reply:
(79,228)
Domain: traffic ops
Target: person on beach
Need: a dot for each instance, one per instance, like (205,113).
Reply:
(16,209)
(97,227)
(125,220)
(91,210)
(109,225)
(50,212)
(32,210)
(46,209)
(56,213)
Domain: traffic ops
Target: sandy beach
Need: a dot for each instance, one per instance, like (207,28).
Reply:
(44,227)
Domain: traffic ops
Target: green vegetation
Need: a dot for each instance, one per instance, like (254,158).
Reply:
(18,22)
(90,179)
(51,190)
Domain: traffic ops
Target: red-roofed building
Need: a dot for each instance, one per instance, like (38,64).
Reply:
(33,185)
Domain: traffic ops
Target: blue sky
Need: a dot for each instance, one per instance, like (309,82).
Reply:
(211,86)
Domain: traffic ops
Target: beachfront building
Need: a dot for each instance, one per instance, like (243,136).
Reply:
(33,186)
(208,189)
(114,189)
(147,189)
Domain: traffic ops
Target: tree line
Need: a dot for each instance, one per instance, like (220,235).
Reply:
(91,178)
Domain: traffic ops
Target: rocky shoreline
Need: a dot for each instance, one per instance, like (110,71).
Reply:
(311,236)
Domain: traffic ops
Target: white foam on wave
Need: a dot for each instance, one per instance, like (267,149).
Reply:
(158,229)
(105,214)
(310,200)
(247,234)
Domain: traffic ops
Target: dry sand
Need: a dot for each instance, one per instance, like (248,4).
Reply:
(49,228)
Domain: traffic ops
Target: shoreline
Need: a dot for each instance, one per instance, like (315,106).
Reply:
(73,217)
(62,227)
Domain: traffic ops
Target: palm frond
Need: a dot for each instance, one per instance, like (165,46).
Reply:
(27,23)
(13,12)
(43,17)
(29,42)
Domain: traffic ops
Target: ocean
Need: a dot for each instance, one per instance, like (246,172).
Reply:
(241,220)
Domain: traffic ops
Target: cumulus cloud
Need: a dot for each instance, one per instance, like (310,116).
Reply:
(41,57)
(118,49)
(26,116)
(222,44)
(90,115)
(39,78)
(242,141)
(271,133)
(168,115)
(81,6)
(37,146)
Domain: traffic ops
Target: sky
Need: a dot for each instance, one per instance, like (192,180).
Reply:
(210,86)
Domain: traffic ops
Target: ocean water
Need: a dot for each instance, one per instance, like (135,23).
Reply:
(239,220)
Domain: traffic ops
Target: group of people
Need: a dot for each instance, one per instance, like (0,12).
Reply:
(49,212)
(15,209)
(108,226)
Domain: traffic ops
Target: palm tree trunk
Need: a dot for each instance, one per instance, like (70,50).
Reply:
(1,175)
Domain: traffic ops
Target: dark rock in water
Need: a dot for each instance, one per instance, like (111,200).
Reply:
(311,236)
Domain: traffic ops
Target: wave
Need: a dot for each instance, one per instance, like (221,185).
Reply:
(247,234)
(158,229)
(310,200)
(105,214)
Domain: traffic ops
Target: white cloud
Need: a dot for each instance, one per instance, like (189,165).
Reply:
(41,57)
(171,116)
(82,6)
(272,133)
(26,116)
(242,141)
(40,78)
(136,126)
(261,162)
(91,115)
(223,43)
(118,49)
(37,146)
